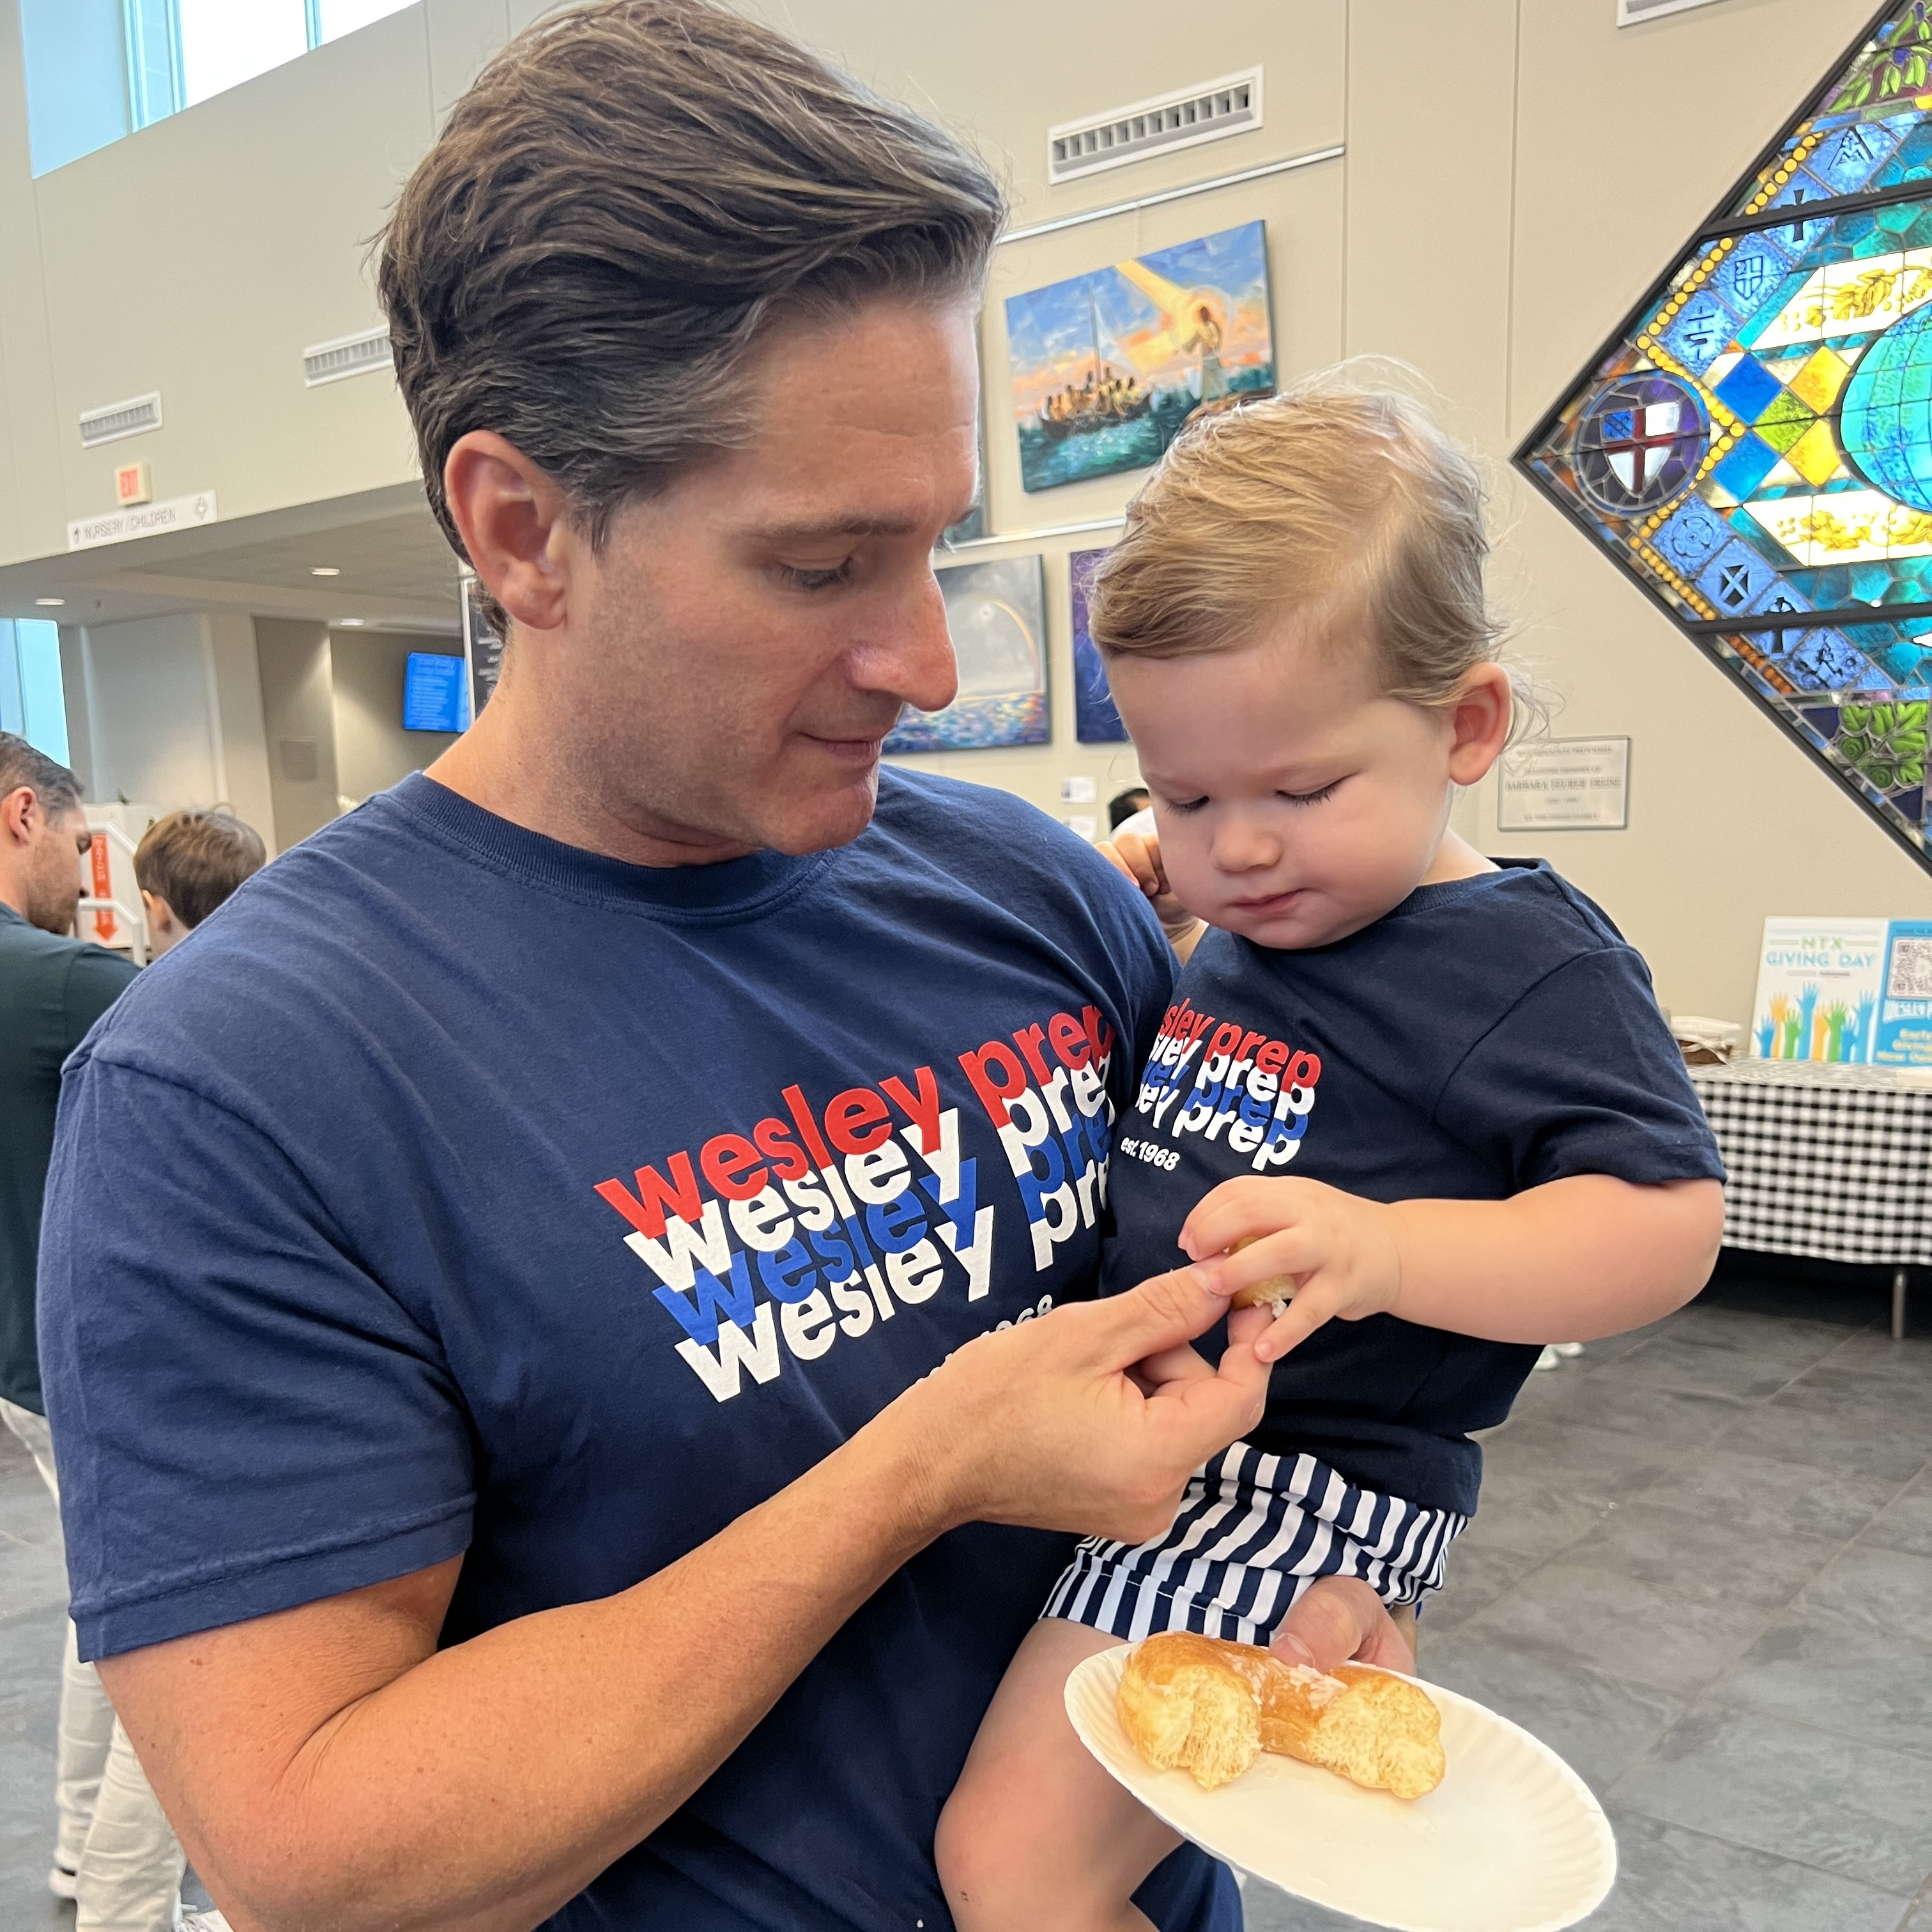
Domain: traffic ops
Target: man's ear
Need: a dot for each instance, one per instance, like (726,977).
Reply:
(1480,715)
(162,917)
(20,812)
(511,514)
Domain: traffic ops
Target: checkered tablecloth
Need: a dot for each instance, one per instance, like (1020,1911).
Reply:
(1832,1161)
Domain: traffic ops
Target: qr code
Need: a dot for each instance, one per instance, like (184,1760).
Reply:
(1911,975)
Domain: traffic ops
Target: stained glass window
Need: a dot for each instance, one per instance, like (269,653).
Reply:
(1754,445)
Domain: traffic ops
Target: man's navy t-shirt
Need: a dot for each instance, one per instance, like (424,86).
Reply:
(459,1192)
(1489,1035)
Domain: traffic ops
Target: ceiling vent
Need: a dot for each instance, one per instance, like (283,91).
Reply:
(135,417)
(1634,13)
(1207,111)
(346,355)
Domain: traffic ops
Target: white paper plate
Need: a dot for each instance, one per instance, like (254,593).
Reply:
(1511,1840)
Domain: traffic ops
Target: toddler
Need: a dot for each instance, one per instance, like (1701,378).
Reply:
(1432,1092)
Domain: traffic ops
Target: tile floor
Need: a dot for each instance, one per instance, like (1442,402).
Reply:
(1702,1572)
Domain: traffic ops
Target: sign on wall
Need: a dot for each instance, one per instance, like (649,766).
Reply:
(1565,784)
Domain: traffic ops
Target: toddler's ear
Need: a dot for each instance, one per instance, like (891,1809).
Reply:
(1480,718)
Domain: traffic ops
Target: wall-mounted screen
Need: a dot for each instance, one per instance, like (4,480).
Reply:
(433,694)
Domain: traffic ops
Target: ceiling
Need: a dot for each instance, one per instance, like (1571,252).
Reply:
(395,570)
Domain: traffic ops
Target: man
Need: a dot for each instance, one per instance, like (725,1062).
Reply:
(577,1260)
(113,1853)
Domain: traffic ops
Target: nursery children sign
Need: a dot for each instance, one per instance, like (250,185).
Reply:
(1856,990)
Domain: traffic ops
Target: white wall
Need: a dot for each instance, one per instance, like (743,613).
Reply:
(167,712)
(373,752)
(1517,172)
(298,725)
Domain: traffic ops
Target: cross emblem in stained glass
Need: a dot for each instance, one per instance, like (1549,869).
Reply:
(1754,448)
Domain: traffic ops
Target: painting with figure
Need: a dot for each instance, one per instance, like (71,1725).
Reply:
(1096,721)
(996,614)
(1107,366)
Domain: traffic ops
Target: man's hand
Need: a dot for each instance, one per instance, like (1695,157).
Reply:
(1138,855)
(1091,1418)
(1340,1620)
(1341,1252)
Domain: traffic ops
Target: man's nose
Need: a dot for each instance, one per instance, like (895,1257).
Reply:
(912,657)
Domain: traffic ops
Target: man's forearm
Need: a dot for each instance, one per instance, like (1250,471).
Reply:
(483,1786)
(1595,1254)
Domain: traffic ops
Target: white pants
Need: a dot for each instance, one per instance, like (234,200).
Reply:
(113,1835)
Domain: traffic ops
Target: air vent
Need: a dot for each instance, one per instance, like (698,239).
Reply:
(1634,13)
(135,417)
(1208,112)
(346,355)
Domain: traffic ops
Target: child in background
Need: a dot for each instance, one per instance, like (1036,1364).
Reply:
(186,865)
(1430,1095)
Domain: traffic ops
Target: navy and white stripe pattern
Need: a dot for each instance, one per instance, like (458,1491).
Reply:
(1253,1532)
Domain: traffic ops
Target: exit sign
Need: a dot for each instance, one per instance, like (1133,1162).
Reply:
(131,484)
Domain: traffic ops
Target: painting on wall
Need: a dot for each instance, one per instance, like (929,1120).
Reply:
(996,613)
(1107,366)
(1753,444)
(1098,722)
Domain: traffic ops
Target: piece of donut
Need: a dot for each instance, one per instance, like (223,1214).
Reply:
(1276,1289)
(1208,1707)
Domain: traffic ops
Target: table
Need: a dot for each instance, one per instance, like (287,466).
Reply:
(1831,1162)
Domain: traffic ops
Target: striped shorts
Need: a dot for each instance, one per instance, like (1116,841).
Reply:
(1253,1532)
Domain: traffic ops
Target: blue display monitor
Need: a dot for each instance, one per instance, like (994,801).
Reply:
(433,693)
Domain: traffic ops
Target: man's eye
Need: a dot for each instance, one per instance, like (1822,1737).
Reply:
(815,580)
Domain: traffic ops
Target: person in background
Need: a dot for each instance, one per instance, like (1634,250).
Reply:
(1123,804)
(113,1853)
(187,864)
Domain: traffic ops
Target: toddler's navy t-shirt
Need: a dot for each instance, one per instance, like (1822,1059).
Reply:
(453,1191)
(1488,1035)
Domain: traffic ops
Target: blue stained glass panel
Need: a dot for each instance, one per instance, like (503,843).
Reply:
(1757,445)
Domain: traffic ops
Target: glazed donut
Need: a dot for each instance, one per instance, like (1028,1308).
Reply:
(1211,1707)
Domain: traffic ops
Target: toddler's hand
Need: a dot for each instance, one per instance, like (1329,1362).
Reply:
(1341,1252)
(1138,854)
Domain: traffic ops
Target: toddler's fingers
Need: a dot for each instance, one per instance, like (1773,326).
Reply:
(1308,1310)
(1242,1211)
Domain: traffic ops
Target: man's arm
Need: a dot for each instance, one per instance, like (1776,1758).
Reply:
(327,1767)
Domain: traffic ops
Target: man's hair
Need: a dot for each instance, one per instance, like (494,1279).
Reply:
(1332,504)
(194,859)
(53,784)
(1123,804)
(630,194)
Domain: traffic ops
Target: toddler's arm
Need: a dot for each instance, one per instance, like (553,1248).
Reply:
(1584,1256)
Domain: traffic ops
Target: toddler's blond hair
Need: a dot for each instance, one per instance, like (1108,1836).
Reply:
(1328,503)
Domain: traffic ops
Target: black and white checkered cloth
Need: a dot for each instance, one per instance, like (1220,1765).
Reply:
(1832,1161)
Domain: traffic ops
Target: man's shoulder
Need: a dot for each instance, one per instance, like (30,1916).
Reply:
(27,952)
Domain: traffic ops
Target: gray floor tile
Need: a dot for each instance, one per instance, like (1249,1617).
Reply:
(1788,1337)
(1672,1880)
(1906,1522)
(1605,1464)
(1869,1587)
(1598,1723)
(1264,1909)
(1775,1496)
(1859,1684)
(1621,1624)
(1872,1351)
(1620,1397)
(1837,1419)
(1750,1367)
(1708,1556)
(1478,1575)
(1522,1514)
(1826,1801)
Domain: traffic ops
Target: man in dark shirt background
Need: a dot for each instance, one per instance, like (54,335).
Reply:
(53,987)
